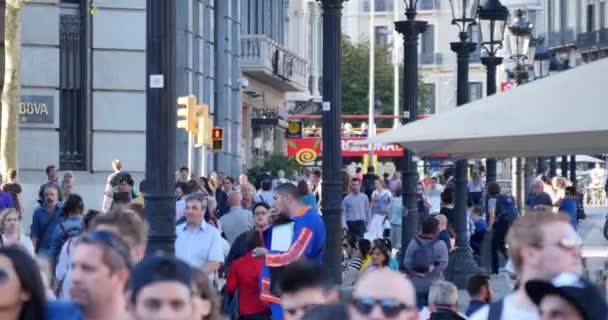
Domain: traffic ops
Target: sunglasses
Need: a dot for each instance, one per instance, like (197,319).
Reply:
(293,311)
(390,307)
(110,240)
(568,243)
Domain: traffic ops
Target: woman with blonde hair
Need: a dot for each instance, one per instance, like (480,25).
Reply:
(10,231)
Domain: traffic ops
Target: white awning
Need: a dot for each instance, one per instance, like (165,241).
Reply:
(566,113)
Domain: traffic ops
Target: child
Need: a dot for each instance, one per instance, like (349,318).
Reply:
(481,227)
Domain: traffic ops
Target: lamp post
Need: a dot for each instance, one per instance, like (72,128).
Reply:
(521,32)
(492,20)
(332,160)
(410,29)
(160,124)
(461,263)
(541,70)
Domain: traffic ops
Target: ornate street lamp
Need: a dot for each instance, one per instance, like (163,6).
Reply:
(462,264)
(493,18)
(411,30)
(519,40)
(542,59)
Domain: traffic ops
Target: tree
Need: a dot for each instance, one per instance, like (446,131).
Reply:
(355,79)
(9,127)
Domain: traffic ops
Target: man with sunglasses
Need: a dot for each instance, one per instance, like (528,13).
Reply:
(304,285)
(381,295)
(541,245)
(100,268)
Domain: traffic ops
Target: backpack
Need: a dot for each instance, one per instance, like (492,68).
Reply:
(506,210)
(68,234)
(424,254)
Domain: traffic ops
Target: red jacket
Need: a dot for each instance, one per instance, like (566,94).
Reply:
(244,275)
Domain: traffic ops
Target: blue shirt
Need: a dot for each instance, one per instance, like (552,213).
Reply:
(43,227)
(396,211)
(536,199)
(70,227)
(568,206)
(62,310)
(474,305)
(445,237)
(310,200)
(198,246)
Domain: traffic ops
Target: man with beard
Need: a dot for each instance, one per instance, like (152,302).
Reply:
(100,269)
(308,238)
(478,287)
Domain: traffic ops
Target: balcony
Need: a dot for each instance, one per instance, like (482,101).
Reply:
(587,41)
(559,39)
(267,61)
(603,38)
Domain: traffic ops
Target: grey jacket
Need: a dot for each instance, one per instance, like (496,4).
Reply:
(441,256)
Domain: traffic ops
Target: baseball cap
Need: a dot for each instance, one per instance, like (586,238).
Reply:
(159,268)
(585,296)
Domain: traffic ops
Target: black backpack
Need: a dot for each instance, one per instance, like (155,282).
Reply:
(424,253)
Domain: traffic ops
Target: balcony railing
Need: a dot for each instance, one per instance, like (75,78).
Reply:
(265,59)
(603,37)
(561,38)
(587,40)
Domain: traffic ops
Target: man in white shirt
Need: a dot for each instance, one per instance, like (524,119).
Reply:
(198,243)
(433,195)
(237,220)
(541,245)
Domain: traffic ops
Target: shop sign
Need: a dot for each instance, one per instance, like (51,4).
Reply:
(36,109)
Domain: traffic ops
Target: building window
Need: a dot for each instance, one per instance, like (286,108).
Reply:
(379,5)
(427,45)
(603,15)
(381,35)
(426,101)
(590,18)
(475,37)
(475,91)
(72,93)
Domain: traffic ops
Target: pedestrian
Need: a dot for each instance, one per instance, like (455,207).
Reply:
(569,297)
(23,295)
(433,195)
(127,225)
(160,288)
(396,217)
(541,246)
(280,179)
(480,291)
(10,229)
(13,187)
(45,219)
(236,220)
(8,199)
(501,214)
(568,205)
(124,193)
(244,277)
(111,183)
(67,184)
(538,198)
(265,195)
(380,258)
(221,195)
(383,294)
(100,272)
(360,258)
(422,278)
(380,204)
(205,297)
(180,205)
(395,182)
(443,301)
(307,197)
(444,232)
(240,246)
(51,176)
(368,182)
(475,186)
(303,285)
(140,198)
(71,226)
(316,180)
(422,202)
(356,210)
(199,243)
(358,174)
(429,245)
(248,192)
(479,233)
(63,276)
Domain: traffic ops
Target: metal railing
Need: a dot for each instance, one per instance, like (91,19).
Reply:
(259,51)
(594,197)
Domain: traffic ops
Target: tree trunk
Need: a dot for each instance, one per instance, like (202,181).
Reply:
(9,128)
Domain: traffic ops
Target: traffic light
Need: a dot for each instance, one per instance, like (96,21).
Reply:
(204,125)
(217,139)
(188,116)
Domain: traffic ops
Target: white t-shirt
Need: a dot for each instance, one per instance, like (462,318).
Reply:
(509,311)
(434,198)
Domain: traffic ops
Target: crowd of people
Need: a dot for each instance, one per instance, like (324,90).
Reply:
(252,248)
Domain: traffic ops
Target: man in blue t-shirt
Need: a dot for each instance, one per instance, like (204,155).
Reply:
(45,219)
(568,205)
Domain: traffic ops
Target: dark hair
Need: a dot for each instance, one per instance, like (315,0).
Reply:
(351,239)
(31,282)
(73,205)
(267,185)
(365,247)
(142,185)
(370,169)
(190,186)
(384,251)
(477,281)
(447,196)
(434,179)
(229,178)
(49,168)
(398,192)
(355,180)
(288,189)
(358,170)
(304,275)
(88,218)
(12,174)
(184,169)
(253,240)
(430,226)
(477,209)
(316,172)
(303,188)
(386,175)
(260,204)
(571,191)
(493,188)
(126,177)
